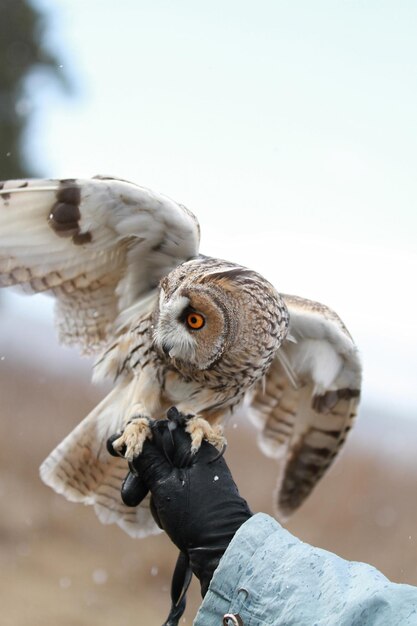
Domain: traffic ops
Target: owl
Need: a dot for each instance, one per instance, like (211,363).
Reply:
(171,327)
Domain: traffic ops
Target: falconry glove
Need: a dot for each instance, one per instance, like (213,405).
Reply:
(193,496)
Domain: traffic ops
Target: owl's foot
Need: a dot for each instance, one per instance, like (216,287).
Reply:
(130,442)
(199,429)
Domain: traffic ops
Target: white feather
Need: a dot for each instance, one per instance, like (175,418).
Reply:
(315,360)
(82,470)
(171,332)
(135,237)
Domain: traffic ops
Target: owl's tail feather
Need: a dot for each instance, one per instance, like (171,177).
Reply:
(81,469)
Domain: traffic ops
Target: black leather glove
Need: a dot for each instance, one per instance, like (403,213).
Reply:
(193,497)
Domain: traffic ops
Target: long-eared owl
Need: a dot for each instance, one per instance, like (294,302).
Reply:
(173,328)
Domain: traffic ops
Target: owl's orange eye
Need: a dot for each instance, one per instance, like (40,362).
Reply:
(195,321)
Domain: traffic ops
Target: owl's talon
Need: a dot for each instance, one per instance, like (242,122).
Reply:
(133,437)
(199,429)
(111,450)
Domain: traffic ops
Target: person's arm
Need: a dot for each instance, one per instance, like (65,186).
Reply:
(249,566)
(269,577)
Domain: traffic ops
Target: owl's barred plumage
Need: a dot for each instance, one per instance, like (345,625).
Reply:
(174,328)
(255,321)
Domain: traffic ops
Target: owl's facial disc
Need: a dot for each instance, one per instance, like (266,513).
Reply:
(190,327)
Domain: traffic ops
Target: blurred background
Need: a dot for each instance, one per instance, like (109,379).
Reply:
(290,130)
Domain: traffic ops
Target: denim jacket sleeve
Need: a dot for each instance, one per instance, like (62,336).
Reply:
(269,577)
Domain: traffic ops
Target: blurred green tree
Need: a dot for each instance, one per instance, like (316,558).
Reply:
(22,52)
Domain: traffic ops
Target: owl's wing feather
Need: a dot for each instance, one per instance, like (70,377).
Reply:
(81,469)
(99,245)
(309,399)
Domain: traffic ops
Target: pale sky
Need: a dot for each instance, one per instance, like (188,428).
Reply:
(289,128)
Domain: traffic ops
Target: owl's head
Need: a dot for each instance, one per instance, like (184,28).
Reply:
(207,309)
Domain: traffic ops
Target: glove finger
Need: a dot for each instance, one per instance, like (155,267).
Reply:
(134,490)
(176,448)
(151,464)
(162,438)
(182,457)
(174,441)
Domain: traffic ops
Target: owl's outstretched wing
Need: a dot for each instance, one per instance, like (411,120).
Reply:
(100,245)
(309,400)
(81,469)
